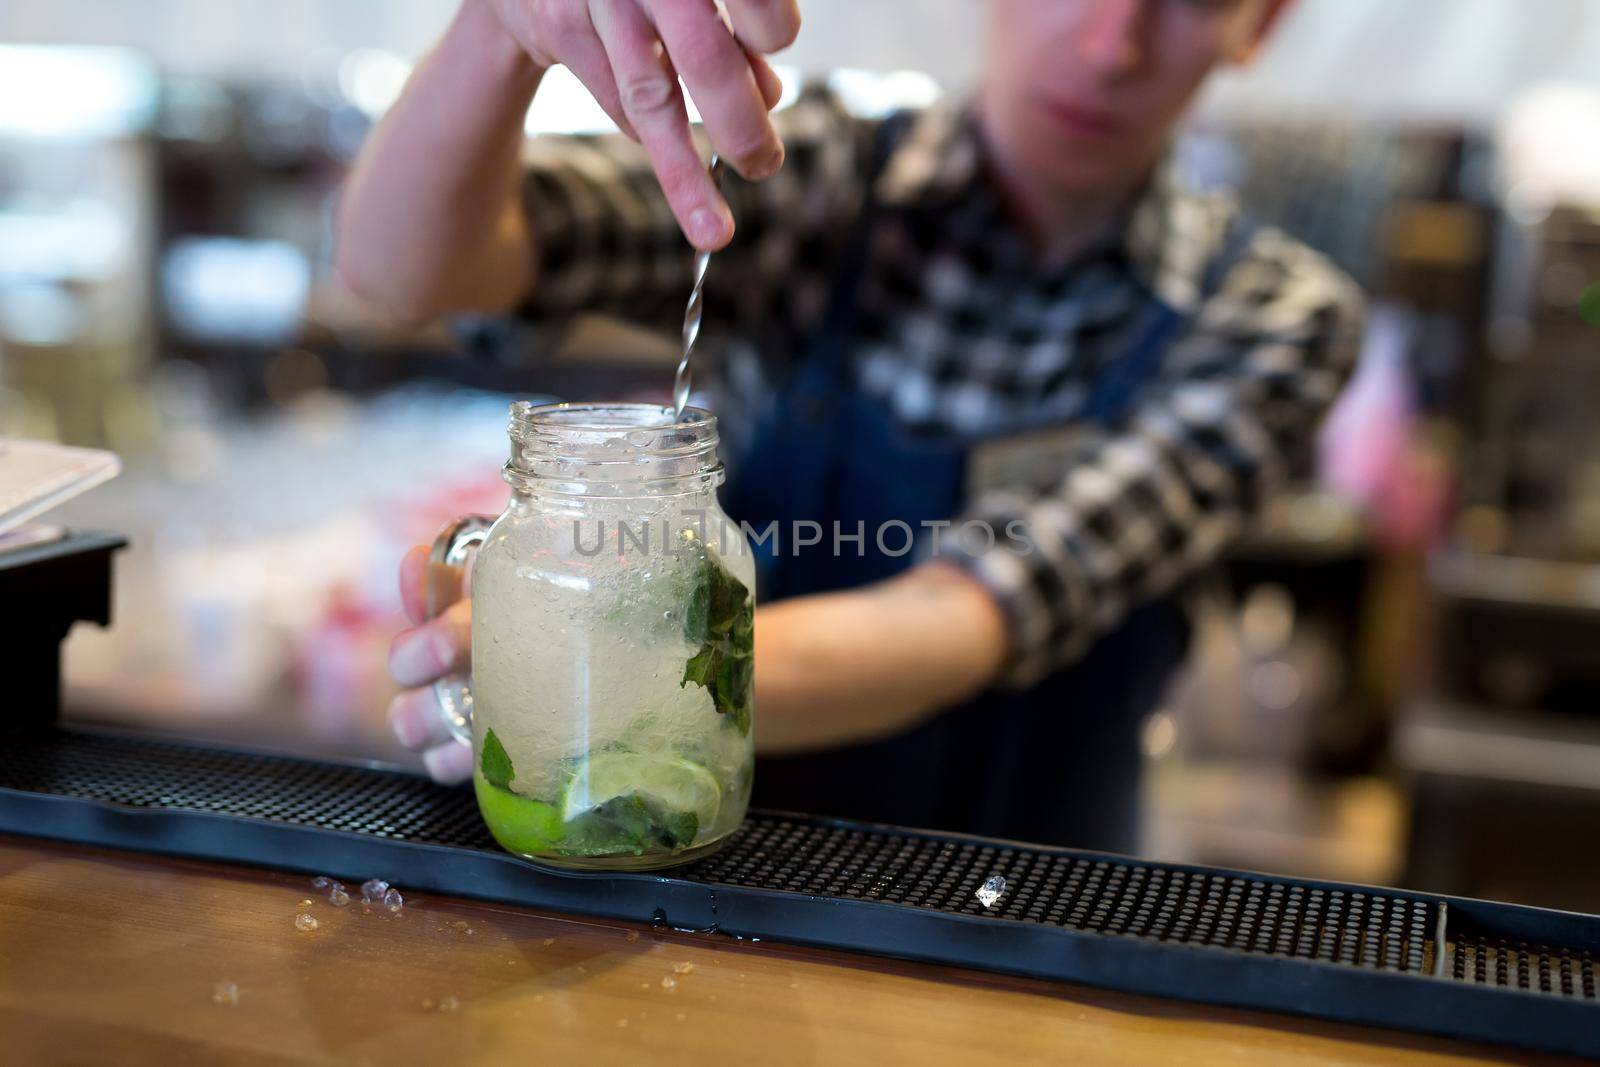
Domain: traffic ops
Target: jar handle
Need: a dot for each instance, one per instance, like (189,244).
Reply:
(449,579)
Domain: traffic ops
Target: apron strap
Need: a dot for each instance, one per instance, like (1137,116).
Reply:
(831,344)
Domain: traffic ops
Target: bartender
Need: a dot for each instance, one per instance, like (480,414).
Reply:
(1002,320)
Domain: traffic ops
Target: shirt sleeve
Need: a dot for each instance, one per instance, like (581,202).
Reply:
(1150,503)
(607,241)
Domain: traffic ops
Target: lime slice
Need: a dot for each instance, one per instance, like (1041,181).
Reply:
(518,823)
(671,784)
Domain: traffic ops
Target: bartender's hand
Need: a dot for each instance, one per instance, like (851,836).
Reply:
(630,55)
(429,650)
(850,667)
(432,221)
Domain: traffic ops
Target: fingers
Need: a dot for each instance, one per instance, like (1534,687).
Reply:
(765,25)
(418,724)
(413,579)
(420,655)
(653,104)
(443,646)
(422,581)
(582,53)
(449,763)
(767,79)
(719,77)
(416,720)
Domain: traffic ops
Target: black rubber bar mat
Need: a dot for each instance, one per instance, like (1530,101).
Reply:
(1506,974)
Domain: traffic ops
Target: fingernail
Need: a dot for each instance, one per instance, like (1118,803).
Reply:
(708,226)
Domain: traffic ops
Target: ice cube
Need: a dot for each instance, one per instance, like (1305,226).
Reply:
(683,968)
(991,891)
(307,902)
(322,881)
(338,896)
(669,983)
(305,922)
(449,1004)
(225,993)
(372,890)
(393,900)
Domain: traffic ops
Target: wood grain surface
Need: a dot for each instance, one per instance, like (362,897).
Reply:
(113,958)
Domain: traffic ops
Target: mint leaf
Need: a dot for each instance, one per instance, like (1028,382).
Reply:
(700,668)
(697,613)
(720,617)
(631,816)
(495,763)
(728,598)
(730,689)
(620,825)
(628,825)
(677,828)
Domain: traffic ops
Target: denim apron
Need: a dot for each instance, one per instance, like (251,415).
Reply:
(1057,763)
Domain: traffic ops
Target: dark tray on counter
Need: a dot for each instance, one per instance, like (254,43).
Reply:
(1506,974)
(44,590)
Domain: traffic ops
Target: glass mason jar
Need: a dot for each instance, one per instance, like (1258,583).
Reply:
(612,635)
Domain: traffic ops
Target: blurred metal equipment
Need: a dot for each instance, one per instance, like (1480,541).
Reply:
(1503,802)
(1520,576)
(1273,751)
(1503,757)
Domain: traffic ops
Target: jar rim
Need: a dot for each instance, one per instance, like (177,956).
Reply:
(599,416)
(599,448)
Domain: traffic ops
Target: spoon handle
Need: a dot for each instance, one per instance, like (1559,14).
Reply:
(692,315)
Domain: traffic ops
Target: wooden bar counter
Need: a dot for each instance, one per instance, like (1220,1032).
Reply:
(115,958)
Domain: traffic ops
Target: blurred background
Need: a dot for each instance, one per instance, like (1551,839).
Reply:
(1395,680)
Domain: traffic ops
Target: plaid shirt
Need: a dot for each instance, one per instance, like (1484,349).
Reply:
(962,331)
